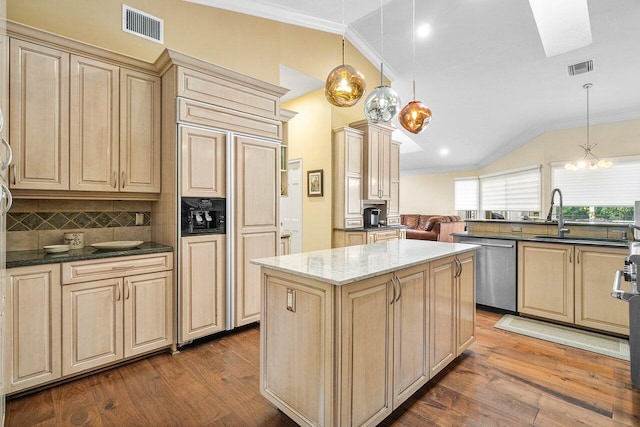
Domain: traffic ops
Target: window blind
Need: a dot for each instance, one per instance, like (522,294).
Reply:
(515,190)
(617,186)
(466,194)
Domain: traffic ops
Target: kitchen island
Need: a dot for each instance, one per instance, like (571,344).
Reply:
(348,334)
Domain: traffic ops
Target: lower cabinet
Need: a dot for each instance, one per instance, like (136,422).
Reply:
(104,321)
(343,238)
(63,319)
(202,286)
(32,327)
(571,284)
(351,354)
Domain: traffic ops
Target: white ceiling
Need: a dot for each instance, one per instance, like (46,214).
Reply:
(483,71)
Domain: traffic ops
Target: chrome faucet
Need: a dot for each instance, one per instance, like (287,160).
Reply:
(561,230)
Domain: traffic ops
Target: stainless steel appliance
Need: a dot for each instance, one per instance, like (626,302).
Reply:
(371,217)
(630,275)
(203,216)
(495,272)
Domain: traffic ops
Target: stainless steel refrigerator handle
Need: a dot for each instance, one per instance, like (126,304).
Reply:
(6,164)
(6,194)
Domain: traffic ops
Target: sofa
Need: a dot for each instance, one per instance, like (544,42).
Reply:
(432,227)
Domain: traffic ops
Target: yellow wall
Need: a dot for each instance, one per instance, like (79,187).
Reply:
(249,45)
(433,193)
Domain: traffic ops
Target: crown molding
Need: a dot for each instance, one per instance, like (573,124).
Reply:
(369,52)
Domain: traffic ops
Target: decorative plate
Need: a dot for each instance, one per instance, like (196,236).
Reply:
(117,245)
(53,249)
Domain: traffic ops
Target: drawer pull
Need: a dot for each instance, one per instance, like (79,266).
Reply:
(122,267)
(118,292)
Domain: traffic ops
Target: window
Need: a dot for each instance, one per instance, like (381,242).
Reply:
(600,194)
(466,194)
(514,190)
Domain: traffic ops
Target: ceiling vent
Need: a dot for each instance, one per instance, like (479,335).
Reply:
(142,24)
(581,68)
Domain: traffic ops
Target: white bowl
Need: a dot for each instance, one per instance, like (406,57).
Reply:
(52,249)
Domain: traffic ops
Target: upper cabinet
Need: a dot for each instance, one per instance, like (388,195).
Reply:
(347,178)
(82,123)
(376,160)
(393,213)
(39,114)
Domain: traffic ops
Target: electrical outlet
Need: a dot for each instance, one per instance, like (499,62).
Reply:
(139,219)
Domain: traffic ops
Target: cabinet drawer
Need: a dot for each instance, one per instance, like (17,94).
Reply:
(353,223)
(385,235)
(82,271)
(393,220)
(216,117)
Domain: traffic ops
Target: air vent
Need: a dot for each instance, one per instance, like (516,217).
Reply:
(142,24)
(581,68)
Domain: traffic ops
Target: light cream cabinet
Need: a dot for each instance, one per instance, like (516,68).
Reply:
(115,308)
(465,301)
(94,125)
(256,219)
(376,157)
(343,238)
(39,114)
(82,124)
(32,327)
(594,308)
(347,178)
(442,315)
(203,162)
(545,280)
(393,209)
(202,290)
(571,284)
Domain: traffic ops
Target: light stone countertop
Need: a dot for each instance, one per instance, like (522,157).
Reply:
(340,266)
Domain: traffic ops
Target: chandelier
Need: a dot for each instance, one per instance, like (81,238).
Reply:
(589,160)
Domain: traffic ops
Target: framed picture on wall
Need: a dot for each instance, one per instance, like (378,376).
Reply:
(314,183)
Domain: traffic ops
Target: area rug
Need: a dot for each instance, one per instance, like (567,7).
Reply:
(590,341)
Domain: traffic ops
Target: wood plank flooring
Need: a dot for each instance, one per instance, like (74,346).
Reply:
(504,379)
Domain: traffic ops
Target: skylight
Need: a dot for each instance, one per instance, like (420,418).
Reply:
(563,25)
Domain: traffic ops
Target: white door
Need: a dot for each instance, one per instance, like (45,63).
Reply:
(291,206)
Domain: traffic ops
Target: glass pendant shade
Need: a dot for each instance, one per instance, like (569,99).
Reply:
(415,117)
(344,86)
(382,105)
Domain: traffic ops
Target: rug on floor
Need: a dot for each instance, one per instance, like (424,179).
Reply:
(590,341)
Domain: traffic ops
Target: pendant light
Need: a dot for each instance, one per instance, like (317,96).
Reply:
(344,85)
(414,117)
(589,159)
(383,103)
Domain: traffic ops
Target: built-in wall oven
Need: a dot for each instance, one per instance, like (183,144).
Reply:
(203,216)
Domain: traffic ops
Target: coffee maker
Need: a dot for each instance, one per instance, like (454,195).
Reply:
(371,217)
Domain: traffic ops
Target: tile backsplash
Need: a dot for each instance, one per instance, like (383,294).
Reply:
(32,224)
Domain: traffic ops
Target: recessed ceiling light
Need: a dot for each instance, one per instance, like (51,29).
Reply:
(444,151)
(423,31)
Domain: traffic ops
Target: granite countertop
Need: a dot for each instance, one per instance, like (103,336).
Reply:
(340,266)
(38,257)
(381,228)
(571,240)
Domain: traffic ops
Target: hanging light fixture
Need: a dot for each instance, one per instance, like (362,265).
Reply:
(589,160)
(383,103)
(415,116)
(344,85)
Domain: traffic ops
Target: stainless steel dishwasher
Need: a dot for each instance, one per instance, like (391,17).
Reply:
(495,272)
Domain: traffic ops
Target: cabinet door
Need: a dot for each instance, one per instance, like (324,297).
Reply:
(94,137)
(367,353)
(148,312)
(466,302)
(393,213)
(256,219)
(39,114)
(353,177)
(202,286)
(203,162)
(442,325)
(410,332)
(91,325)
(385,166)
(545,280)
(594,269)
(372,165)
(32,326)
(139,132)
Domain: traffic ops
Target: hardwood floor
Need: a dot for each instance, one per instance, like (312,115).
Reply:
(504,379)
